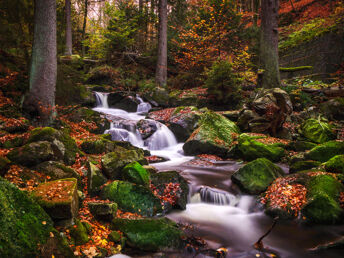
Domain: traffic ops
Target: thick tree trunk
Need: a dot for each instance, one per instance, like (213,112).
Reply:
(84,28)
(69,46)
(40,100)
(269,44)
(161,67)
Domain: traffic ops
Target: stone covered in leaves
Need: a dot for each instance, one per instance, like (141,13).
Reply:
(57,170)
(335,164)
(103,211)
(58,198)
(114,162)
(95,179)
(257,175)
(317,131)
(34,153)
(172,188)
(150,234)
(213,136)
(251,148)
(326,151)
(132,198)
(323,193)
(24,224)
(59,138)
(135,173)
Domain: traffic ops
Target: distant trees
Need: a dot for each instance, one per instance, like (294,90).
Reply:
(68,50)
(269,44)
(40,100)
(161,66)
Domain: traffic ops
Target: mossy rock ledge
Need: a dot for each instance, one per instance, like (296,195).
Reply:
(335,164)
(132,198)
(326,151)
(135,173)
(24,224)
(214,135)
(150,234)
(317,131)
(257,175)
(95,179)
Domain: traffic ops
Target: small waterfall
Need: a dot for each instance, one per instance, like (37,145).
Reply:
(216,196)
(161,139)
(143,107)
(101,99)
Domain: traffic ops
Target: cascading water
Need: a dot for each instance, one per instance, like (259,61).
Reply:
(223,216)
(143,107)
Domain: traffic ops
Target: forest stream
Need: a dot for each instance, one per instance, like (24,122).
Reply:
(217,211)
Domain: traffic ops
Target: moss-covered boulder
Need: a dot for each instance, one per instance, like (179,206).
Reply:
(303,165)
(301,145)
(57,170)
(163,180)
(34,153)
(24,224)
(132,198)
(317,131)
(115,161)
(249,148)
(326,151)
(98,146)
(213,136)
(257,175)
(59,198)
(135,173)
(335,164)
(4,165)
(333,109)
(103,211)
(323,193)
(78,233)
(56,137)
(150,234)
(95,179)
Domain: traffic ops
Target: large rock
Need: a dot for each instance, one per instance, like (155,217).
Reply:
(103,211)
(180,195)
(128,103)
(257,175)
(135,173)
(326,151)
(333,109)
(317,131)
(303,165)
(335,164)
(95,179)
(158,97)
(146,128)
(98,146)
(150,234)
(57,170)
(250,148)
(24,224)
(114,162)
(213,136)
(58,198)
(59,138)
(34,153)
(323,193)
(132,198)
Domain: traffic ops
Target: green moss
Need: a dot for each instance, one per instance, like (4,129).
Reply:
(135,173)
(301,145)
(24,224)
(98,146)
(150,234)
(79,233)
(132,198)
(317,131)
(335,164)
(322,205)
(251,149)
(95,179)
(4,165)
(257,175)
(326,151)
(294,69)
(303,165)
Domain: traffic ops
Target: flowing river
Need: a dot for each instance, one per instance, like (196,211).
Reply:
(219,213)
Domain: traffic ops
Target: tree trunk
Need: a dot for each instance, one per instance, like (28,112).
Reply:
(161,67)
(255,12)
(84,29)
(269,44)
(68,51)
(40,100)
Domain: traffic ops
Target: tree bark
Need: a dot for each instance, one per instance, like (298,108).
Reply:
(161,68)
(269,44)
(83,51)
(40,100)
(69,46)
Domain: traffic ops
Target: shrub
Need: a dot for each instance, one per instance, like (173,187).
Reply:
(223,84)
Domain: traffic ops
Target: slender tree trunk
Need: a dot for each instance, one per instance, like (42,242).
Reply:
(69,46)
(161,67)
(255,11)
(84,28)
(141,30)
(40,100)
(269,44)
